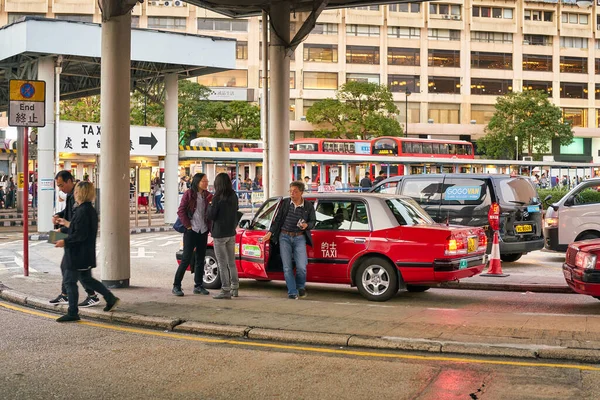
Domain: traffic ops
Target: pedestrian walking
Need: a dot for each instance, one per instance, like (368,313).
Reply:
(158,194)
(193,215)
(65,183)
(291,229)
(365,183)
(223,212)
(80,252)
(380,177)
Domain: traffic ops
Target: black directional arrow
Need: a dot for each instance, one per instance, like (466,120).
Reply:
(149,140)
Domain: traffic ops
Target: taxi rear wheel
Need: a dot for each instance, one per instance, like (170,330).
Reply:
(376,279)
(417,288)
(212,280)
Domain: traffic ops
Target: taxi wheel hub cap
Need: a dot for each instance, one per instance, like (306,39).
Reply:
(375,280)
(211,270)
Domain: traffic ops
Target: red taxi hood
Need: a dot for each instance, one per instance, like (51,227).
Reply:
(589,246)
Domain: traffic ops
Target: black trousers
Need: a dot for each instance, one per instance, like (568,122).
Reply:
(70,279)
(63,286)
(192,241)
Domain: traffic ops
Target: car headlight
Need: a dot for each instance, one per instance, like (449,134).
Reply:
(585,260)
(551,222)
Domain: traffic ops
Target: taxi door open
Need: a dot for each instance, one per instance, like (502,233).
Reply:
(254,253)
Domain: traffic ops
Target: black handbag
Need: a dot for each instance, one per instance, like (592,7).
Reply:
(178,226)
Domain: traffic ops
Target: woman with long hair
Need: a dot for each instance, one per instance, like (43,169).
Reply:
(193,215)
(223,212)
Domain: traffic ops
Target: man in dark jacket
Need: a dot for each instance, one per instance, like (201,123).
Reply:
(66,183)
(291,229)
(365,183)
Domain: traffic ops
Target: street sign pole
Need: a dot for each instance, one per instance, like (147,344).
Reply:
(26,203)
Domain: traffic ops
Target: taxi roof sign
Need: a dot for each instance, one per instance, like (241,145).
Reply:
(27,105)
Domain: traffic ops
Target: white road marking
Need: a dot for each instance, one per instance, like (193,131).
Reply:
(141,253)
(170,242)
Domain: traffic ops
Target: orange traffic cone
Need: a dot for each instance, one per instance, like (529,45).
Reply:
(495,268)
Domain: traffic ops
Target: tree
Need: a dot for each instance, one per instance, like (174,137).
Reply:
(360,109)
(529,116)
(85,109)
(236,119)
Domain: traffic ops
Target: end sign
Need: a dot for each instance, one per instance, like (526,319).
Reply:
(27,106)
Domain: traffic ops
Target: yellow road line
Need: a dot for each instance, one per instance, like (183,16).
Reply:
(306,348)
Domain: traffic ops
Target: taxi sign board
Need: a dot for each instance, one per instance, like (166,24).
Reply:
(27,105)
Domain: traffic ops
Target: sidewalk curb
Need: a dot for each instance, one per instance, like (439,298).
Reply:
(507,287)
(536,352)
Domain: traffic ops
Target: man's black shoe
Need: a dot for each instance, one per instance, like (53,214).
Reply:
(293,296)
(68,318)
(111,305)
(177,291)
(201,290)
(302,293)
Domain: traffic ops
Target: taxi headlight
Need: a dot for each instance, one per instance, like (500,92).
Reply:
(585,260)
(551,222)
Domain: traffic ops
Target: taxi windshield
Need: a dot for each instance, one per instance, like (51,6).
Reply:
(408,212)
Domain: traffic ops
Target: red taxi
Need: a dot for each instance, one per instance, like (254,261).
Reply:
(581,268)
(378,243)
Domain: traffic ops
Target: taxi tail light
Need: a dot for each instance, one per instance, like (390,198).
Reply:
(482,241)
(456,244)
(494,216)
(585,260)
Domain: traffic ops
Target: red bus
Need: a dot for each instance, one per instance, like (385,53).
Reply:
(413,147)
(328,146)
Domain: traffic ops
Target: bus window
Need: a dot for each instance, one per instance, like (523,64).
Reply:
(435,148)
(451,148)
(444,148)
(460,149)
(406,147)
(385,146)
(329,147)
(416,148)
(350,148)
(427,148)
(306,147)
(469,148)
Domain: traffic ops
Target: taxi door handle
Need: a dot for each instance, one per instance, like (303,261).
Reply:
(360,240)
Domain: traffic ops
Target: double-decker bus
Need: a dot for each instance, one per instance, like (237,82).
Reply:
(239,144)
(329,146)
(413,147)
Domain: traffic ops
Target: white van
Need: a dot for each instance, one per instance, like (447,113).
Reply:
(574,217)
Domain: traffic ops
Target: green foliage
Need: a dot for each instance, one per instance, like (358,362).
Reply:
(532,118)
(557,193)
(360,109)
(85,109)
(236,119)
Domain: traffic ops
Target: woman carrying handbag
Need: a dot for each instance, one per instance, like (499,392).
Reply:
(192,213)
(223,212)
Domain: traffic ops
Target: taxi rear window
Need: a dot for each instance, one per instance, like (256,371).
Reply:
(408,212)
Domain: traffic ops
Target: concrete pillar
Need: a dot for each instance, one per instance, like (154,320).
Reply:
(45,155)
(279,115)
(68,165)
(80,172)
(114,175)
(172,158)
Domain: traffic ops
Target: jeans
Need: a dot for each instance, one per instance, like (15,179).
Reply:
(63,286)
(225,252)
(293,246)
(157,201)
(71,277)
(191,241)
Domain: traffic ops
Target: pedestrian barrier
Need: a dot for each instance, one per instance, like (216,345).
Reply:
(495,268)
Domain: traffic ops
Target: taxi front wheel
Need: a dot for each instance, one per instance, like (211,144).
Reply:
(211,279)
(376,279)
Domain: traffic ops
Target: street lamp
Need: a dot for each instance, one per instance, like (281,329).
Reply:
(408,93)
(517,149)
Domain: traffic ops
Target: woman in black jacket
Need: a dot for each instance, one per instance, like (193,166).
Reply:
(223,211)
(80,252)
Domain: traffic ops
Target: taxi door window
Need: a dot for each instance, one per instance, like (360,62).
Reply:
(334,215)
(262,220)
(423,191)
(360,222)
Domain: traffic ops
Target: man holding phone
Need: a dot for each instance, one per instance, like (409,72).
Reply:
(291,229)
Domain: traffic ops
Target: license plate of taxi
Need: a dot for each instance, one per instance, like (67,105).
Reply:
(472,244)
(568,274)
(523,228)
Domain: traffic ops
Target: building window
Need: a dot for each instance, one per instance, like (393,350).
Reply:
(572,18)
(484,60)
(404,56)
(135,21)
(325,29)
(446,11)
(537,40)
(321,53)
(573,90)
(539,15)
(362,30)
(320,80)
(444,113)
(577,65)
(537,85)
(443,84)
(597,66)
(241,50)
(233,78)
(77,17)
(577,117)
(444,58)
(534,62)
(362,55)
(402,32)
(399,83)
(370,78)
(493,12)
(482,113)
(221,24)
(443,34)
(405,7)
(167,23)
(574,42)
(292,79)
(366,8)
(491,37)
(14,17)
(491,87)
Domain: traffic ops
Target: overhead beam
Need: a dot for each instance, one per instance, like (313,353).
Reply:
(307,26)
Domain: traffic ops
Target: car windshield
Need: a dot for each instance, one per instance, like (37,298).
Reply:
(517,191)
(408,212)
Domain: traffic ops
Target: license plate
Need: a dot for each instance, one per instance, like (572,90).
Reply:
(533,209)
(568,274)
(463,264)
(523,228)
(472,244)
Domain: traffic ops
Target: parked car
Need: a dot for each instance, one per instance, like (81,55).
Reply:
(378,243)
(506,203)
(581,268)
(573,218)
